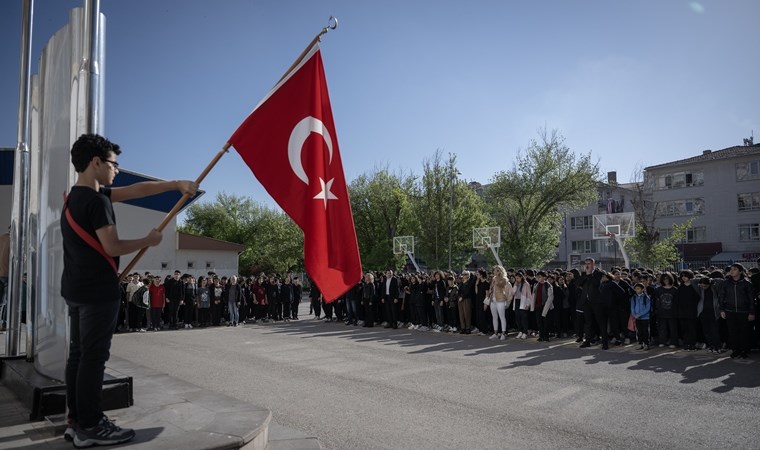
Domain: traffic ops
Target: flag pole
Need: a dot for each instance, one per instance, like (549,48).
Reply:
(332,23)
(176,209)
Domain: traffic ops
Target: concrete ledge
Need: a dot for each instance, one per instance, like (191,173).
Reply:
(168,413)
(283,438)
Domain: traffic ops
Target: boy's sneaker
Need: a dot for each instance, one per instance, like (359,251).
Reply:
(104,433)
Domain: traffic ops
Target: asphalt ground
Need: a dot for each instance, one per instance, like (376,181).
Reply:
(375,388)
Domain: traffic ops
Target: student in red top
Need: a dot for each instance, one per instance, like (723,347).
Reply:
(157,302)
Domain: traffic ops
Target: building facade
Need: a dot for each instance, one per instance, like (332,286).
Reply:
(576,238)
(720,192)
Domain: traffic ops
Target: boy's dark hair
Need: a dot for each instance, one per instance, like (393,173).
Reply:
(670,278)
(640,285)
(90,146)
(541,273)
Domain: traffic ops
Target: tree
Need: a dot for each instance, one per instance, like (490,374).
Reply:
(447,210)
(380,201)
(647,248)
(273,241)
(661,253)
(527,200)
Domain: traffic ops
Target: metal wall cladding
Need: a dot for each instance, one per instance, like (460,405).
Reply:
(60,111)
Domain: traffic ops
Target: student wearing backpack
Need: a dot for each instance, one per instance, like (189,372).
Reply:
(641,307)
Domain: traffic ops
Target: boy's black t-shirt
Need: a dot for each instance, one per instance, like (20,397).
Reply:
(87,276)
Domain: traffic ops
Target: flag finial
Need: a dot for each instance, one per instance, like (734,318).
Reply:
(332,23)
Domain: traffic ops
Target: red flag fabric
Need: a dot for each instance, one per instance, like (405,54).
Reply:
(290,144)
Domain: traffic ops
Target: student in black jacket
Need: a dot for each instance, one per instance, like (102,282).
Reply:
(687,299)
(175,294)
(737,306)
(390,293)
(368,299)
(594,311)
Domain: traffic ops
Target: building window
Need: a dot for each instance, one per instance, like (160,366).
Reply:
(690,207)
(209,264)
(746,171)
(584,246)
(191,264)
(749,232)
(680,180)
(696,234)
(164,265)
(749,201)
(581,223)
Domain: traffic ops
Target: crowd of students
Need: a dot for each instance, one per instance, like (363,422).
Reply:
(708,309)
(152,303)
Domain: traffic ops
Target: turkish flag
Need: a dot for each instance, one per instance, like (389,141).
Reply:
(290,144)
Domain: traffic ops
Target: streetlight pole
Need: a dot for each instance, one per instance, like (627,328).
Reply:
(453,179)
(451,215)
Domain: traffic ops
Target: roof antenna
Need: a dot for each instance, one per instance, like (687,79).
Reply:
(751,140)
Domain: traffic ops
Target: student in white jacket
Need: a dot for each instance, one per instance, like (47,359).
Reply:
(523,303)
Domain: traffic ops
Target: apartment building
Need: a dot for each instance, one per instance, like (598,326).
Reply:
(720,192)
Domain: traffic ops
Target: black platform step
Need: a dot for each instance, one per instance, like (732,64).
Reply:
(45,396)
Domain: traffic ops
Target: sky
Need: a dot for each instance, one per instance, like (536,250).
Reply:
(634,83)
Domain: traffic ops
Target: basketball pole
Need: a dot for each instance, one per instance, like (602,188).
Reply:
(495,254)
(414,261)
(620,243)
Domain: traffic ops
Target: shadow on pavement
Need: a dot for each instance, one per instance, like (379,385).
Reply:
(692,367)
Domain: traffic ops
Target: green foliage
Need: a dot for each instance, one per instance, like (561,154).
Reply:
(274,243)
(380,201)
(527,200)
(651,251)
(447,210)
(439,209)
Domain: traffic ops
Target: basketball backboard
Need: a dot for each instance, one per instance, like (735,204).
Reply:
(621,224)
(403,245)
(486,237)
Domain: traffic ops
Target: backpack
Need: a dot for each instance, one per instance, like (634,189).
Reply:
(141,297)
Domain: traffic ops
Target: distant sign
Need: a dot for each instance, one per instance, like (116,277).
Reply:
(575,260)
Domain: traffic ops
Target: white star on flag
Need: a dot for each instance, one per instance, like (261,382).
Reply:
(325,193)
